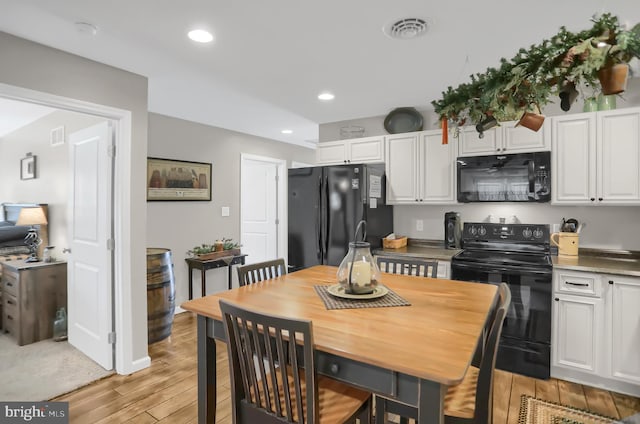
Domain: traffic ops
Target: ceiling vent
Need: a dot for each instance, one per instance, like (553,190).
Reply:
(406,29)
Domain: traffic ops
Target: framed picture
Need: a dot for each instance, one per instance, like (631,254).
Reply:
(178,180)
(28,168)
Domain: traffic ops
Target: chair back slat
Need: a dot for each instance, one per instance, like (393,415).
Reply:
(285,388)
(408,266)
(253,273)
(484,389)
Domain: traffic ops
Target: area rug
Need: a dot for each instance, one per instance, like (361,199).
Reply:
(537,411)
(43,370)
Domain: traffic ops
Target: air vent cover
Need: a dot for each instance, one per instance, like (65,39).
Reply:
(406,28)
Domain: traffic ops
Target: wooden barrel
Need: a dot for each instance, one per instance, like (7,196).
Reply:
(161,294)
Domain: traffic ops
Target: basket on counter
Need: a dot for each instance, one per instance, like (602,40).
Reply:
(395,243)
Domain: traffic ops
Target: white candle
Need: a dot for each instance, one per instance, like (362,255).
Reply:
(361,275)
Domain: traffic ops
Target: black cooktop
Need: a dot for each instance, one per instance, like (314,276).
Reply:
(504,258)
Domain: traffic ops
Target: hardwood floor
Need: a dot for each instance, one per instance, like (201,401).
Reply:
(166,391)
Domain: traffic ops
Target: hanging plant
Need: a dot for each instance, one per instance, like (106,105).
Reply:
(535,76)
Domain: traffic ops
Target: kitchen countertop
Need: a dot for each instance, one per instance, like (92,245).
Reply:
(608,262)
(425,249)
(620,262)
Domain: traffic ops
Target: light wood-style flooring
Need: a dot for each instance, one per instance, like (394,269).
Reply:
(166,392)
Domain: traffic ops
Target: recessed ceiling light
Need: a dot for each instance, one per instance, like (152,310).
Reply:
(326,96)
(200,35)
(287,132)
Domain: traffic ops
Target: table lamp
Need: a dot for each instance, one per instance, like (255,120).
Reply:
(32,216)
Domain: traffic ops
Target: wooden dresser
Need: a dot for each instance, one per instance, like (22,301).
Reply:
(31,295)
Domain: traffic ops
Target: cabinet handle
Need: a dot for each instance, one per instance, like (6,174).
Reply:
(600,199)
(593,199)
(11,302)
(610,281)
(334,368)
(571,283)
(498,149)
(416,200)
(556,299)
(9,317)
(9,284)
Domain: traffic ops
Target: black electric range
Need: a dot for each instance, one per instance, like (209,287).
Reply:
(516,254)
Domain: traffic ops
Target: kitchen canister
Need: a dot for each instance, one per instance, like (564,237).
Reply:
(567,243)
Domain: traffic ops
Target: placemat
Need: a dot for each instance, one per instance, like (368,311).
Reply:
(332,302)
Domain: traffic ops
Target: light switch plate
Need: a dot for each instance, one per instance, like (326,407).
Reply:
(225,211)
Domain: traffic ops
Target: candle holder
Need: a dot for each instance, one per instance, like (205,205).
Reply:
(358,273)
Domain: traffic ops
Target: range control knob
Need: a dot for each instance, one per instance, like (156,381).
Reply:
(527,233)
(482,231)
(473,230)
(538,233)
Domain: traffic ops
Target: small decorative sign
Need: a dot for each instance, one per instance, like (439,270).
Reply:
(178,180)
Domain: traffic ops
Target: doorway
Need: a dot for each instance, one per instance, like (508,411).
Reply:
(262,207)
(119,203)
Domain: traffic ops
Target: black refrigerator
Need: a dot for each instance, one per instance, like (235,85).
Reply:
(325,206)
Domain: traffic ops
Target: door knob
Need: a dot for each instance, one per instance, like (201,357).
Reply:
(66,250)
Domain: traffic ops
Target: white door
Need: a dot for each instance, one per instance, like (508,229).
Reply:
(89,289)
(259,208)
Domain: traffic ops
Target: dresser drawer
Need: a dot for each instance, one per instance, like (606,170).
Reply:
(10,281)
(578,283)
(10,317)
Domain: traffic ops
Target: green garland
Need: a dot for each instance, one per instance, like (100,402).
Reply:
(529,80)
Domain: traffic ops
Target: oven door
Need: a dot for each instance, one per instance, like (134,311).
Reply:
(526,334)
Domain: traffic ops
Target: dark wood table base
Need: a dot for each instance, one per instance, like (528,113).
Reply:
(204,265)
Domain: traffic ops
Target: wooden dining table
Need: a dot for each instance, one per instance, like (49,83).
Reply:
(407,353)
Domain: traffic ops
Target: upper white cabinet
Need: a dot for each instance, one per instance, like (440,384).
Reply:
(420,169)
(596,158)
(506,138)
(357,150)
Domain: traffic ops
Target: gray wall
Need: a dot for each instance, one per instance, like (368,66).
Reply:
(179,226)
(37,67)
(52,177)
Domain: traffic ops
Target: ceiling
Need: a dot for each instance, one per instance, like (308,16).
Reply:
(270,59)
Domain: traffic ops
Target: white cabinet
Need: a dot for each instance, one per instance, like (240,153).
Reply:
(596,158)
(506,138)
(420,169)
(577,336)
(596,330)
(357,150)
(623,326)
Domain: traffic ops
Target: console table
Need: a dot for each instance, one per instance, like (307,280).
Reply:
(205,264)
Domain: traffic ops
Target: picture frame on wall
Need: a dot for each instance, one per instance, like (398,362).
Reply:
(28,167)
(178,180)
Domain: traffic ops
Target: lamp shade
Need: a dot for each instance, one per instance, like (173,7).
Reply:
(31,216)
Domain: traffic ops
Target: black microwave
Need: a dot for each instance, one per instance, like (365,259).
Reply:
(522,177)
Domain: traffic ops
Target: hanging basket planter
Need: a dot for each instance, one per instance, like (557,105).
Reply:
(531,120)
(613,79)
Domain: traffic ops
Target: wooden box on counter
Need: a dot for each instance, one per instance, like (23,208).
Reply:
(396,243)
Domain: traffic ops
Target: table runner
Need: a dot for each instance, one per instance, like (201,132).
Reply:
(333,302)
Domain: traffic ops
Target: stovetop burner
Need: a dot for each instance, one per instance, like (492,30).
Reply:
(505,245)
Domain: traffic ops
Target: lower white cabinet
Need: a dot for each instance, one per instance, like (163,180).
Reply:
(624,327)
(578,331)
(596,330)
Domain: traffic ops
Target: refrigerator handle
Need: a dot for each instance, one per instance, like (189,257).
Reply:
(319,221)
(327,217)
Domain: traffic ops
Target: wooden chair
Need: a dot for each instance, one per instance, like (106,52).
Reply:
(408,266)
(285,387)
(252,273)
(471,401)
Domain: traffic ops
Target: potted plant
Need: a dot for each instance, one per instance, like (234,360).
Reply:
(214,251)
